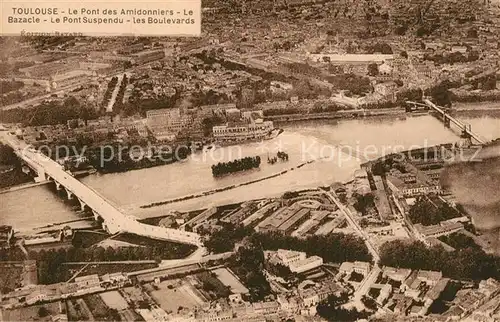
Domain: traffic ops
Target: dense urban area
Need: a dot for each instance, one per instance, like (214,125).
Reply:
(394,242)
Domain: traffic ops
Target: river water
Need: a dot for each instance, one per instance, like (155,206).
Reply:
(303,142)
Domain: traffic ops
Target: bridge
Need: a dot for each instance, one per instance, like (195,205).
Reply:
(113,220)
(448,119)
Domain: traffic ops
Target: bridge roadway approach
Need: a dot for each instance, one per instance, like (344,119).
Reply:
(114,221)
(447,119)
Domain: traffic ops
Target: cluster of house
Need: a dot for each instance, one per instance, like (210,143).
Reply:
(444,228)
(302,301)
(243,126)
(285,219)
(410,185)
(407,292)
(297,262)
(97,130)
(483,303)
(83,285)
(167,124)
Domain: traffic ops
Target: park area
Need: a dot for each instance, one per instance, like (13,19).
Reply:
(174,294)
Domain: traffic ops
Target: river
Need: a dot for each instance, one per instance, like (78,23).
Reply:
(303,142)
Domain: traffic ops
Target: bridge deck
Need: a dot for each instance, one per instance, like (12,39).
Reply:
(455,121)
(114,219)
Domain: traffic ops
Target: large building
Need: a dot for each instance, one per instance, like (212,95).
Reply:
(148,56)
(442,229)
(241,131)
(297,262)
(168,123)
(48,70)
(286,219)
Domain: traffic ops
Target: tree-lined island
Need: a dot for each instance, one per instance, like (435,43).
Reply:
(223,168)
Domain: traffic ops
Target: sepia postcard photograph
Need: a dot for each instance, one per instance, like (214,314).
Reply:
(250,161)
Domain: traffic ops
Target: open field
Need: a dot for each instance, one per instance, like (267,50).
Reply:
(228,279)
(173,294)
(114,300)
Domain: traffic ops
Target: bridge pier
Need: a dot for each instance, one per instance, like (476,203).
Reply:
(69,194)
(58,186)
(41,175)
(446,121)
(40,178)
(466,138)
(82,204)
(96,215)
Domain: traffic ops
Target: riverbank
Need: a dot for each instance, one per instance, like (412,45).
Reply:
(76,224)
(476,106)
(230,187)
(492,107)
(23,186)
(337,115)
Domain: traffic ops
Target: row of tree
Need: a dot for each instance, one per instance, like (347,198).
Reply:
(223,168)
(459,241)
(50,113)
(466,263)
(224,240)
(116,158)
(335,248)
(109,91)
(471,97)
(248,265)
(452,58)
(121,93)
(51,270)
(424,212)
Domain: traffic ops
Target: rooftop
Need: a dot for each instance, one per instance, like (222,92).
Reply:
(288,254)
